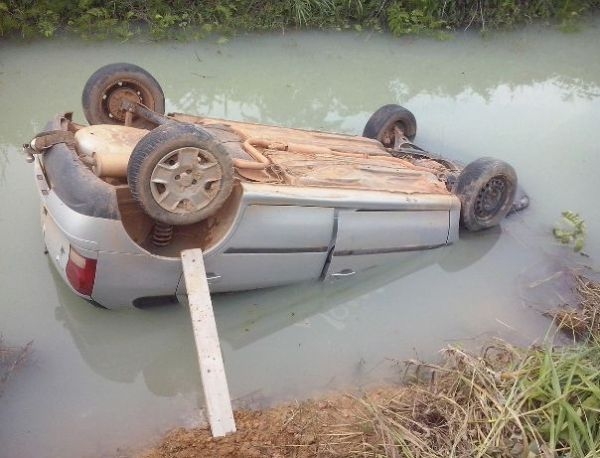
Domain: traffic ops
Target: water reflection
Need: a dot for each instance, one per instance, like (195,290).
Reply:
(158,343)
(247,317)
(302,89)
(118,345)
(469,249)
(331,107)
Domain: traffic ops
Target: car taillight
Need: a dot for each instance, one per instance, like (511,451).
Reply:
(81,272)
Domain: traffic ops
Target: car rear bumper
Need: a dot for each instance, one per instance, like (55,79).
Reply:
(124,272)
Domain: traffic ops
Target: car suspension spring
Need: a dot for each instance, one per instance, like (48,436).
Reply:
(162,234)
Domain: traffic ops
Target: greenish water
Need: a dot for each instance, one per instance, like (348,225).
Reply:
(100,380)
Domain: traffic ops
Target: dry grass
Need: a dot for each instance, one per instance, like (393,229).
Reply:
(502,402)
(11,359)
(583,320)
(506,402)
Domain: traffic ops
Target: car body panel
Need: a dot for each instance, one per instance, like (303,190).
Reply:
(276,234)
(121,278)
(386,231)
(243,271)
(278,228)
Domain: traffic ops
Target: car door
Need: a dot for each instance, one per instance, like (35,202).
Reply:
(367,239)
(273,245)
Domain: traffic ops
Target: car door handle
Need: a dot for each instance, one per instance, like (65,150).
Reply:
(344,273)
(212,278)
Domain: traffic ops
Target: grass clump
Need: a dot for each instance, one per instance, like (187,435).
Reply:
(583,320)
(506,402)
(11,358)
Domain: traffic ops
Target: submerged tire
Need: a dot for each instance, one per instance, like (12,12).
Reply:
(110,85)
(486,188)
(180,174)
(380,125)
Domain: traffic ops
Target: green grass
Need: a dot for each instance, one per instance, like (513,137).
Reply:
(185,19)
(503,402)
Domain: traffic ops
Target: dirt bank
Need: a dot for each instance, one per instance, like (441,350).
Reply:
(503,401)
(306,429)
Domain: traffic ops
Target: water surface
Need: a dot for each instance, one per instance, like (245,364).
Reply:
(100,380)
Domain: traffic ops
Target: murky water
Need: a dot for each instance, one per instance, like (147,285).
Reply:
(100,380)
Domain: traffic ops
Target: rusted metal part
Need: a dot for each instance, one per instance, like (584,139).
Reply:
(339,142)
(47,139)
(117,99)
(128,118)
(251,143)
(162,234)
(294,157)
(261,176)
(137,108)
(345,171)
(260,162)
(399,137)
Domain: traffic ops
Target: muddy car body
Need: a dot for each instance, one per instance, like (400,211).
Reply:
(291,205)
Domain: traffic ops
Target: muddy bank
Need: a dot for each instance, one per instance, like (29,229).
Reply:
(302,430)
(503,401)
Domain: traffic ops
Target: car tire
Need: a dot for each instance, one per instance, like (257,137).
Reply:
(113,83)
(180,174)
(380,125)
(486,188)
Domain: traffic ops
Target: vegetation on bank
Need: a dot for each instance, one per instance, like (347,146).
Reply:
(504,401)
(186,19)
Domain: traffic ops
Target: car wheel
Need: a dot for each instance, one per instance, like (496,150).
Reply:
(486,189)
(380,125)
(112,84)
(180,174)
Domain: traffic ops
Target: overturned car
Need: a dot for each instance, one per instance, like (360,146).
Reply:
(123,196)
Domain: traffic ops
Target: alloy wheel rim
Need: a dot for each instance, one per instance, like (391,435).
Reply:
(186,180)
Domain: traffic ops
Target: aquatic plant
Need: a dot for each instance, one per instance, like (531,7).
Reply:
(571,230)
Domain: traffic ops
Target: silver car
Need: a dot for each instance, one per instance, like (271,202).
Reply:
(123,196)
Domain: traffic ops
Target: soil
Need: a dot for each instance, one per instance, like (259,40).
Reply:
(302,430)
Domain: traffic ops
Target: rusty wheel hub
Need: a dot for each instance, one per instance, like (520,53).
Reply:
(114,97)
